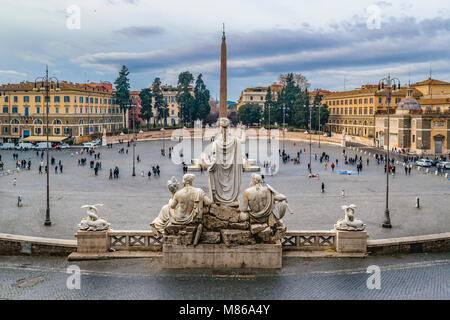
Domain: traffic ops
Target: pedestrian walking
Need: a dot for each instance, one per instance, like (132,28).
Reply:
(110,173)
(56,169)
(323,187)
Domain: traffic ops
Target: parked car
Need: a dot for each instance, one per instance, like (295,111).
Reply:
(61,146)
(6,146)
(96,141)
(88,145)
(424,163)
(42,146)
(443,165)
(434,162)
(24,146)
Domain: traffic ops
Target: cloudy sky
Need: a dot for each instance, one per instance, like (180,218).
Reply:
(328,41)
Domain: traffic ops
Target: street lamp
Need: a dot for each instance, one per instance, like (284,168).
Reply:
(131,104)
(44,82)
(310,142)
(388,85)
(284,123)
(164,140)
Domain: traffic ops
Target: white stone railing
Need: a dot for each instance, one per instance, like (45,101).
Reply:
(141,240)
(309,240)
(134,240)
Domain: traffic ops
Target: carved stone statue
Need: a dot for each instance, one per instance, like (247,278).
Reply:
(93,222)
(160,223)
(263,204)
(225,171)
(188,203)
(349,223)
(185,206)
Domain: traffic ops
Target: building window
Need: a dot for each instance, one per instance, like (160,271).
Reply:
(360,101)
(81,99)
(14,109)
(413,138)
(96,100)
(67,110)
(26,99)
(81,110)
(56,99)
(365,110)
(6,99)
(380,100)
(109,101)
(56,109)
(350,110)
(371,111)
(360,110)
(57,130)
(5,109)
(365,100)
(37,99)
(37,130)
(15,99)
(350,101)
(66,99)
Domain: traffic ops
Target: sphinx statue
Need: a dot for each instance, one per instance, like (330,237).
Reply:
(349,223)
(93,222)
(162,220)
(263,204)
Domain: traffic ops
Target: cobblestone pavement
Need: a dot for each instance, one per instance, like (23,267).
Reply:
(133,202)
(415,276)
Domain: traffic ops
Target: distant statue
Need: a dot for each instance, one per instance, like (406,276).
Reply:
(93,222)
(225,171)
(349,223)
(160,223)
(263,204)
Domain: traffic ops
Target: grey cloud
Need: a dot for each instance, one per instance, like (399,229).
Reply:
(141,31)
(346,45)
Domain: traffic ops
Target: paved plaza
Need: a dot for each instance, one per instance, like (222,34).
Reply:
(415,276)
(133,202)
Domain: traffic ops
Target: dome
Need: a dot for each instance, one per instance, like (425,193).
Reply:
(409,103)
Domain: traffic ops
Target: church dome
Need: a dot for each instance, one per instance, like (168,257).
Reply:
(409,103)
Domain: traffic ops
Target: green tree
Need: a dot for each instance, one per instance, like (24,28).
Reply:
(122,85)
(185,99)
(161,107)
(269,108)
(201,96)
(286,101)
(146,102)
(301,110)
(249,114)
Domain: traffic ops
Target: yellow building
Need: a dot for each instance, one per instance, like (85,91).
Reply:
(420,126)
(74,110)
(257,95)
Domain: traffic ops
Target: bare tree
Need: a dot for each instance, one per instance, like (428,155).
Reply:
(299,79)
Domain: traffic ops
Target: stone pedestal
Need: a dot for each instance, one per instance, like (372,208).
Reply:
(220,256)
(351,241)
(92,241)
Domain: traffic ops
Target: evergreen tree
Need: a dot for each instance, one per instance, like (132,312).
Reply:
(160,105)
(201,96)
(185,99)
(286,99)
(146,102)
(122,85)
(268,108)
(249,114)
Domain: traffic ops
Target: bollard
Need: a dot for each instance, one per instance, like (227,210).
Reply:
(446,175)
(343,193)
(427,171)
(436,173)
(418,168)
(417,202)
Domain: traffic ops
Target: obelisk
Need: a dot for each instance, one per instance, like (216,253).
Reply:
(223,78)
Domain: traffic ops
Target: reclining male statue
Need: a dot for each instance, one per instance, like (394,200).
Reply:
(185,207)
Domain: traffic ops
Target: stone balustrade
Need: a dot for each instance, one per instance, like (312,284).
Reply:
(309,240)
(142,240)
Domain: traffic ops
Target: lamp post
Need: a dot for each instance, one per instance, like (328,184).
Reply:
(310,142)
(131,105)
(388,85)
(44,82)
(164,140)
(284,123)
(319,125)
